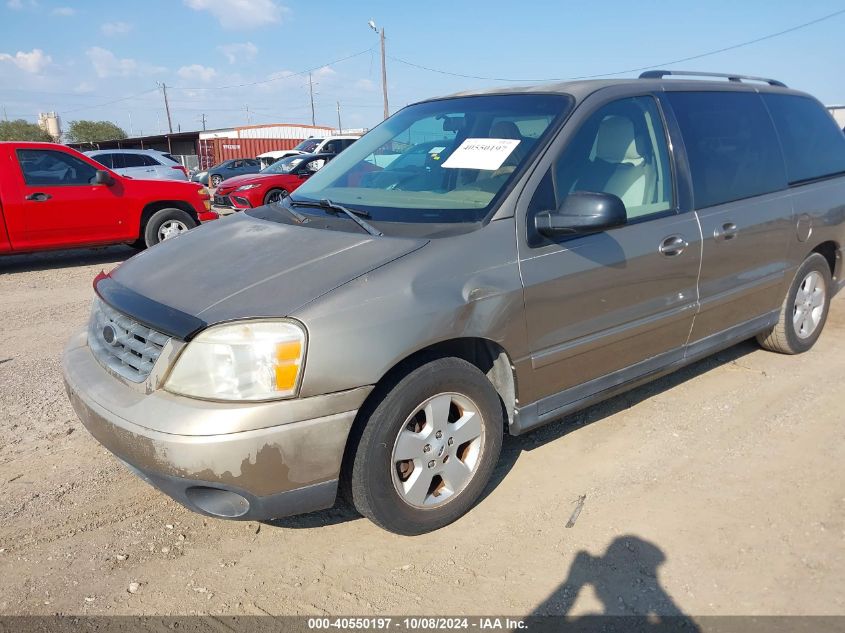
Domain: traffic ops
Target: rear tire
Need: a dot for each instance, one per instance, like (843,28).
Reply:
(275,195)
(166,224)
(447,419)
(215,180)
(804,310)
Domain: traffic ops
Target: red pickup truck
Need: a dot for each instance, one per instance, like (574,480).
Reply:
(52,196)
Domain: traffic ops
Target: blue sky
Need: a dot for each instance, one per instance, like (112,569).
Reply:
(76,57)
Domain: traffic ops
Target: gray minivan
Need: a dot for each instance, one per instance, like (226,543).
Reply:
(380,329)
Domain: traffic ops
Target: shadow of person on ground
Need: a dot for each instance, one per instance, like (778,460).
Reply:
(514,446)
(625,579)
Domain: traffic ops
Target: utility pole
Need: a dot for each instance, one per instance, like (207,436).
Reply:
(380,31)
(167,107)
(130,125)
(311,92)
(203,118)
(339,126)
(248,116)
(5,116)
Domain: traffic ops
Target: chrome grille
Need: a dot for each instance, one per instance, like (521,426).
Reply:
(134,348)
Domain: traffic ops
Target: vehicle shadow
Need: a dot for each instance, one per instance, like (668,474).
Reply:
(625,580)
(514,446)
(54,260)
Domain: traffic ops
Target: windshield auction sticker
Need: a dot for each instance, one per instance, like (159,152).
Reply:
(481,153)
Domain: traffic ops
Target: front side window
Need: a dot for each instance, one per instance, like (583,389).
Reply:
(49,167)
(621,150)
(440,161)
(731,145)
(813,144)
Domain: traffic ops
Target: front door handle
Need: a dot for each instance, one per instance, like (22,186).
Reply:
(38,197)
(727,231)
(673,246)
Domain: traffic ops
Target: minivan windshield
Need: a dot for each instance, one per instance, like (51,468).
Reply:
(439,161)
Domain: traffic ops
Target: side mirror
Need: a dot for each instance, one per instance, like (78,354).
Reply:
(582,212)
(102,177)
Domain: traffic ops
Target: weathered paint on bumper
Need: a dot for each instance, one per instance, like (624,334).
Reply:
(279,469)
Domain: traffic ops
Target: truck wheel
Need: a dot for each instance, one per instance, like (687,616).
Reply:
(215,180)
(804,311)
(275,195)
(428,448)
(166,224)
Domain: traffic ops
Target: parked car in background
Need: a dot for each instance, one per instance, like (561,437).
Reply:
(52,197)
(200,176)
(270,184)
(328,145)
(234,167)
(141,164)
(560,245)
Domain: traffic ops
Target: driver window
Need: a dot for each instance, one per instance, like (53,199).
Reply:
(621,149)
(49,167)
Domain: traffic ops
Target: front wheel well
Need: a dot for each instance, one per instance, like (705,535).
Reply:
(830,250)
(490,358)
(153,207)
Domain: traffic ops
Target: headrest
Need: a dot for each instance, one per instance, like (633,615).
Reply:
(616,141)
(505,129)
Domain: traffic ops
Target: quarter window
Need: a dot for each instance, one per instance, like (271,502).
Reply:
(49,167)
(731,145)
(621,149)
(813,144)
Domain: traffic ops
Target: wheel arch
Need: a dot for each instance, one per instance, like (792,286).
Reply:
(832,252)
(488,356)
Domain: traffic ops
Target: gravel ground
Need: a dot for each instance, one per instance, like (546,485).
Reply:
(716,490)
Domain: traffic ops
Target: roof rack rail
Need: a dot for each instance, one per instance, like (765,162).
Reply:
(660,74)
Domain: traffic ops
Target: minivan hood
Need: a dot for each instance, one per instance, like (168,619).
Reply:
(242,267)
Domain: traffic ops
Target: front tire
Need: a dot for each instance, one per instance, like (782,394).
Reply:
(166,224)
(275,195)
(804,311)
(428,449)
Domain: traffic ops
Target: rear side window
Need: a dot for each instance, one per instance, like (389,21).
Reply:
(813,144)
(731,144)
(134,160)
(104,159)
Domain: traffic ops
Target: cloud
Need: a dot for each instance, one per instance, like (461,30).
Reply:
(64,12)
(239,52)
(111,29)
(241,14)
(83,87)
(197,71)
(107,64)
(17,5)
(33,62)
(325,71)
(365,84)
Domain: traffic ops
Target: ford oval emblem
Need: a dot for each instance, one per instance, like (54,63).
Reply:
(109,335)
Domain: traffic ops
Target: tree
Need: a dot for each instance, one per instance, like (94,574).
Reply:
(93,132)
(20,130)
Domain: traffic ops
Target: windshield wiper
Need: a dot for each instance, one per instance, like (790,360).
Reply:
(356,215)
(296,214)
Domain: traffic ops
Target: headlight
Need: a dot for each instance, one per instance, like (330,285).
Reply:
(246,187)
(244,361)
(203,191)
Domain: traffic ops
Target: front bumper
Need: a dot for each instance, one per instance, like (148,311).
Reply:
(285,463)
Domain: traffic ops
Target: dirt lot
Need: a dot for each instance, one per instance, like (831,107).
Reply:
(718,490)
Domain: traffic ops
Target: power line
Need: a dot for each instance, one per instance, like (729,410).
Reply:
(100,105)
(629,70)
